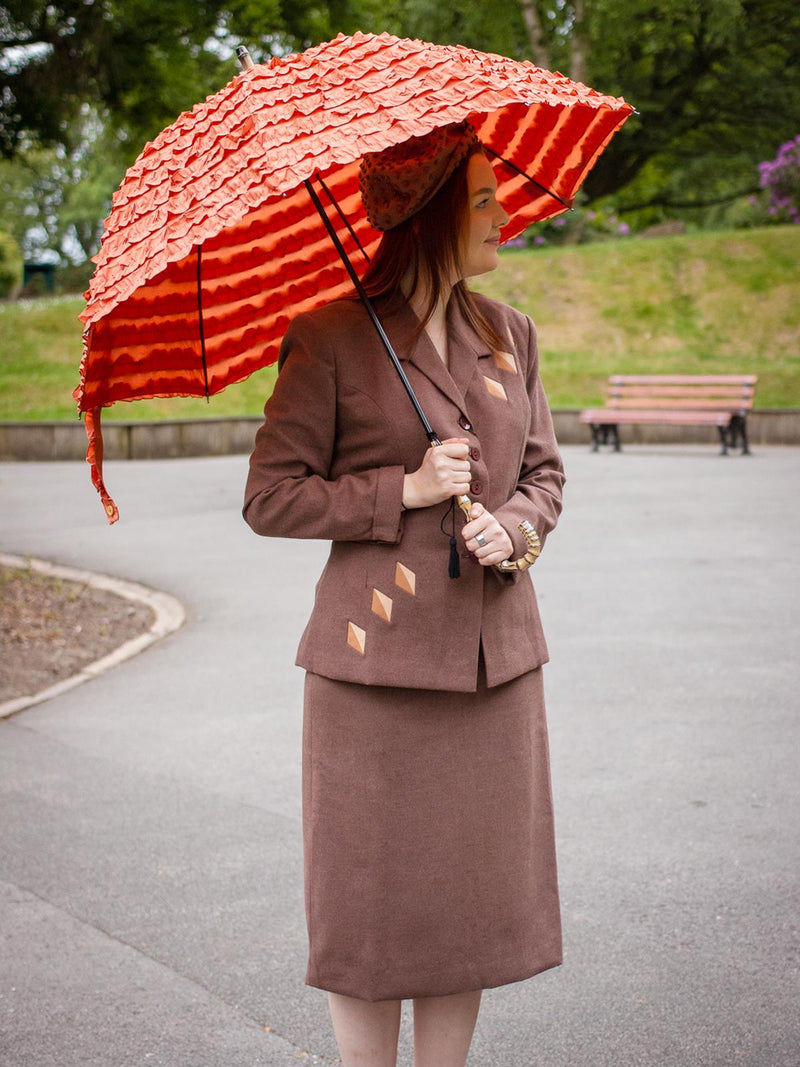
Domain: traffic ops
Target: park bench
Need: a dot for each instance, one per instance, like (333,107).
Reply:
(721,400)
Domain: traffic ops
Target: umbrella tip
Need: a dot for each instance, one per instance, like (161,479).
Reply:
(244,57)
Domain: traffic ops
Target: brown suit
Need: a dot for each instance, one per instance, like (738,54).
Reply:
(338,437)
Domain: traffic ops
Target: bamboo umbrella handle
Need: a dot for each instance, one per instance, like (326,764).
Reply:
(531,537)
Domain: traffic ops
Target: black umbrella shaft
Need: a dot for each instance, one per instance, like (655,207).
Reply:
(387,344)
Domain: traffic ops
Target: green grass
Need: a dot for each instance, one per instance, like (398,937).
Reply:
(40,353)
(711,303)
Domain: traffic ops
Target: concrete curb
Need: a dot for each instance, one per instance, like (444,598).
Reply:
(169,617)
(174,439)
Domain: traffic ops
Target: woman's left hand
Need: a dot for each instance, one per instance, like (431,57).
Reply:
(486,538)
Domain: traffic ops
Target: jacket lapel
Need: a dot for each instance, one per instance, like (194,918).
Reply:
(401,324)
(466,348)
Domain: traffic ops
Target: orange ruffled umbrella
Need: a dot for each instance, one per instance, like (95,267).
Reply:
(213,243)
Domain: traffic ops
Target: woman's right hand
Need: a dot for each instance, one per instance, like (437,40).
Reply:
(444,473)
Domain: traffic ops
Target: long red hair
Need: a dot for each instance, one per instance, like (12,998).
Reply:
(428,247)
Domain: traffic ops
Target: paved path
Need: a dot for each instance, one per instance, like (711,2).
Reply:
(150,866)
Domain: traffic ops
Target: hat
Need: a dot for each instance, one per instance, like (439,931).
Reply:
(398,181)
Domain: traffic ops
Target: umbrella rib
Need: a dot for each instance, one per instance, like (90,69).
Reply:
(343,217)
(523,174)
(387,344)
(200,318)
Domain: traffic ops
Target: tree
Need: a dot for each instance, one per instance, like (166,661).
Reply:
(10,265)
(54,201)
(716,83)
(140,62)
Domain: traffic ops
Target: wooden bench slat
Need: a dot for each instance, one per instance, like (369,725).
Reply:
(682,379)
(608,416)
(625,389)
(667,403)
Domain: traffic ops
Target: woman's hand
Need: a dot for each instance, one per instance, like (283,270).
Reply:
(444,473)
(493,544)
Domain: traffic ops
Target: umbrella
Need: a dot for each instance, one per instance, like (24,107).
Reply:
(213,243)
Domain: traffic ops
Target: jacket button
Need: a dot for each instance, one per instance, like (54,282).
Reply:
(475,453)
(464,423)
(477,488)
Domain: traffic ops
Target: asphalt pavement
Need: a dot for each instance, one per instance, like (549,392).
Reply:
(151,907)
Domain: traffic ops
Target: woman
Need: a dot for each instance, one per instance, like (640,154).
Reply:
(427,816)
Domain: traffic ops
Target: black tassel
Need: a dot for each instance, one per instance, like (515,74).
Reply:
(454,566)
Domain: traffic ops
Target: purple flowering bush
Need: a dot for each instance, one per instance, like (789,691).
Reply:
(780,178)
(577,226)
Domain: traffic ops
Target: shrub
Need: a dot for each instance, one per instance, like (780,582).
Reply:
(74,277)
(578,226)
(10,265)
(780,177)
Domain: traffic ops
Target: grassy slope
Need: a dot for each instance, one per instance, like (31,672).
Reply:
(708,303)
(715,303)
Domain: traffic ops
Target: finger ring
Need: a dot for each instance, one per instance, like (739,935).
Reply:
(481,540)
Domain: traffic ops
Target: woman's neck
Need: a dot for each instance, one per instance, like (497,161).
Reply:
(436,324)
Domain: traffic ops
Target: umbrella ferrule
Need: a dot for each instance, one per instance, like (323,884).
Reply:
(244,57)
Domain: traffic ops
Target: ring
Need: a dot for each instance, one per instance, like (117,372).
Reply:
(481,540)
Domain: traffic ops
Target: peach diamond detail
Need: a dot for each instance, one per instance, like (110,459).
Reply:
(405,579)
(505,361)
(382,605)
(495,388)
(356,638)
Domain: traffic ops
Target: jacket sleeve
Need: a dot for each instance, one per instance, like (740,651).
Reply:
(537,496)
(290,492)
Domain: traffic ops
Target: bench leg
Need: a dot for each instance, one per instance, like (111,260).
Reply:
(607,433)
(723,438)
(739,430)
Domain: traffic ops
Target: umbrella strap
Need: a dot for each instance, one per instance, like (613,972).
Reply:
(522,174)
(94,457)
(376,322)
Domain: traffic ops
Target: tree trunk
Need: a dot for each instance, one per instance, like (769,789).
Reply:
(533,25)
(579,45)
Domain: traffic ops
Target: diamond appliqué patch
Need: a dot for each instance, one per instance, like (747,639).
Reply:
(405,579)
(505,361)
(495,388)
(382,605)
(356,638)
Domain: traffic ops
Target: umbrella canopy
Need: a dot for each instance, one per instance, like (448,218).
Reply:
(213,245)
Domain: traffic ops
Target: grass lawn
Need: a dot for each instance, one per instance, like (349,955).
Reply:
(710,303)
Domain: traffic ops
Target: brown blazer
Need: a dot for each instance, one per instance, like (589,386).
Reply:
(338,437)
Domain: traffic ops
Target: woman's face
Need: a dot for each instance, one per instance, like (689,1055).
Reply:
(481,235)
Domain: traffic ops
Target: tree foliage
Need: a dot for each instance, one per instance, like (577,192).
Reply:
(141,62)
(716,83)
(10,264)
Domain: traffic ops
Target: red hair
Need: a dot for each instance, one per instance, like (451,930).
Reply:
(429,245)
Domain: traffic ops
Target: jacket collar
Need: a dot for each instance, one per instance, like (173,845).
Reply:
(401,324)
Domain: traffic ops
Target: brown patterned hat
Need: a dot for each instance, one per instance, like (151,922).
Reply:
(398,181)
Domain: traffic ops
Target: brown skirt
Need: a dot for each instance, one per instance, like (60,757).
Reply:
(428,832)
